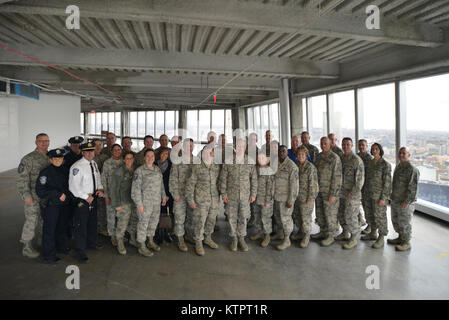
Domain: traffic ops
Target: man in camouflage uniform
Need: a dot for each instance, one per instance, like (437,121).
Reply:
(285,193)
(203,197)
(148,193)
(313,151)
(238,188)
(328,165)
(110,141)
(351,191)
(334,147)
(99,159)
(148,142)
(28,171)
(252,151)
(179,174)
(403,197)
(308,191)
(109,167)
(366,158)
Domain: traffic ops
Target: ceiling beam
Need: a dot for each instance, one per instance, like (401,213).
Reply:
(245,15)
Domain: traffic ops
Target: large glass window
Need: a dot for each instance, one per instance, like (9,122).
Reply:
(201,122)
(82,123)
(317,113)
(153,123)
(426,105)
(342,114)
(133,124)
(160,120)
(263,118)
(141,128)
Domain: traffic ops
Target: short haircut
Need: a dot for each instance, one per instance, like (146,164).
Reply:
(126,138)
(163,135)
(116,145)
(283,146)
(148,136)
(363,140)
(148,150)
(305,132)
(380,148)
(347,139)
(302,149)
(110,133)
(95,140)
(163,149)
(129,152)
(41,135)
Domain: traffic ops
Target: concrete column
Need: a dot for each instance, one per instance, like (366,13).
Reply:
(239,119)
(182,122)
(297,115)
(359,129)
(284,110)
(124,125)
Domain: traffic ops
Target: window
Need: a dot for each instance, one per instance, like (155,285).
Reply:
(201,122)
(101,121)
(160,120)
(133,124)
(304,114)
(426,103)
(377,114)
(82,123)
(342,115)
(141,127)
(154,123)
(263,118)
(317,113)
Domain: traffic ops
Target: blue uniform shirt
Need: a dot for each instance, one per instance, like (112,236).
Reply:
(292,156)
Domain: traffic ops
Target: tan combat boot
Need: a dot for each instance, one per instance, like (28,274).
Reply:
(305,241)
(133,241)
(208,240)
(233,245)
(181,244)
(143,250)
(343,236)
(398,240)
(243,244)
(318,236)
(266,241)
(351,243)
(379,242)
(152,245)
(404,246)
(114,241)
(257,236)
(121,246)
(199,248)
(371,236)
(278,236)
(28,250)
(188,238)
(328,240)
(285,244)
(367,230)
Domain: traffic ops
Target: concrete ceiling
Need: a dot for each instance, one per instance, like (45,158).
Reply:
(174,53)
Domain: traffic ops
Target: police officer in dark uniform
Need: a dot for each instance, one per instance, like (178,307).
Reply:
(75,153)
(53,189)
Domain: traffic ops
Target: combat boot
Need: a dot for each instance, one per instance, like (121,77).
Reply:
(143,250)
(208,240)
(404,246)
(28,250)
(233,245)
(343,236)
(243,244)
(328,240)
(121,246)
(367,230)
(305,241)
(371,236)
(257,236)
(153,245)
(188,238)
(266,241)
(285,244)
(278,236)
(199,248)
(133,241)
(181,244)
(114,241)
(296,236)
(398,240)
(318,236)
(379,242)
(351,243)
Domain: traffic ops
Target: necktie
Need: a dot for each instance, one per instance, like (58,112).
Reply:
(93,177)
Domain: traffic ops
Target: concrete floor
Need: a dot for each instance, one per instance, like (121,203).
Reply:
(312,273)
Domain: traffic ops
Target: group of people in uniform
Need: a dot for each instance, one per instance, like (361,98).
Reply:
(118,193)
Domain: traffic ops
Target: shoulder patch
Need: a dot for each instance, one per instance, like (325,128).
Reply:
(43,180)
(75,171)
(21,167)
(135,176)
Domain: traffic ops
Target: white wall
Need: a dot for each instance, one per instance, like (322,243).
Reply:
(22,118)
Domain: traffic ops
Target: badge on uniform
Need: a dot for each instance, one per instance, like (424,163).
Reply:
(21,167)
(43,180)
(75,171)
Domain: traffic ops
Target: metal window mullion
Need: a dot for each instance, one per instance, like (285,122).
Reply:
(327,115)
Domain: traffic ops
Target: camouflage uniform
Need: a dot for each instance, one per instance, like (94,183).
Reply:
(148,191)
(329,178)
(106,151)
(201,189)
(352,183)
(265,194)
(285,192)
(101,205)
(337,150)
(239,183)
(405,190)
(140,157)
(313,151)
(366,158)
(99,160)
(28,170)
(109,168)
(179,175)
(377,187)
(308,191)
(120,192)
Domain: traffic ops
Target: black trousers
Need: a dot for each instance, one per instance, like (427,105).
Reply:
(85,227)
(54,235)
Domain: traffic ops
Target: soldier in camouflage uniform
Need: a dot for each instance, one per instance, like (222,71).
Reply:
(203,197)
(238,188)
(313,151)
(120,193)
(148,142)
(377,192)
(99,159)
(109,167)
(148,193)
(28,171)
(351,191)
(366,158)
(285,193)
(334,147)
(179,175)
(403,197)
(308,191)
(263,206)
(328,165)
(110,141)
